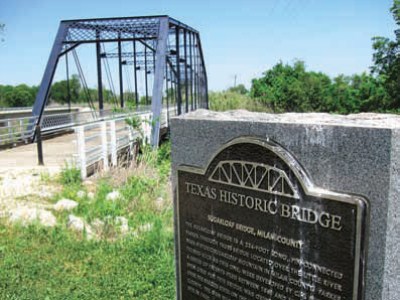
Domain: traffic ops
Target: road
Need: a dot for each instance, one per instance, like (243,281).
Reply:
(56,151)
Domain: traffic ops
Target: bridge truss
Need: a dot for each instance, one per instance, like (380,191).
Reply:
(159,48)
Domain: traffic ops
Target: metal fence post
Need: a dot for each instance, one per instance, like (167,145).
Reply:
(39,145)
(22,129)
(104,147)
(10,132)
(113,143)
(81,150)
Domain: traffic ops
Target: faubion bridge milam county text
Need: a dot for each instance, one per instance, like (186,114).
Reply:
(151,66)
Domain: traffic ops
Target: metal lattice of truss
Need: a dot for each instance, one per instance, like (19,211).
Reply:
(162,48)
(254,176)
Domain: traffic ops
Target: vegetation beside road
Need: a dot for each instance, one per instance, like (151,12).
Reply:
(284,87)
(39,262)
(293,88)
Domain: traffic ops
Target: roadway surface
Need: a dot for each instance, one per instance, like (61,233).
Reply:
(56,152)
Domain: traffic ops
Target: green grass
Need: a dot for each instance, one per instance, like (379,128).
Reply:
(70,175)
(55,263)
(37,263)
(45,177)
(228,100)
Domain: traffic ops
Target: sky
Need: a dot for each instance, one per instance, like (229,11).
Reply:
(240,39)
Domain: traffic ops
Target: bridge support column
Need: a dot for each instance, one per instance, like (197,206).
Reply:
(186,70)
(135,74)
(160,65)
(121,79)
(178,70)
(44,88)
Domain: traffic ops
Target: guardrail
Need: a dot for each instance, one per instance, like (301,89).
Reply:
(15,108)
(16,130)
(100,142)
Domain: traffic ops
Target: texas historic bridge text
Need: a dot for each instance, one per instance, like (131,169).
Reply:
(270,206)
(227,259)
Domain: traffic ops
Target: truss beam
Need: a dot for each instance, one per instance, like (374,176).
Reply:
(168,49)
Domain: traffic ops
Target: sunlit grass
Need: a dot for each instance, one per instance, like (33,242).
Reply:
(56,263)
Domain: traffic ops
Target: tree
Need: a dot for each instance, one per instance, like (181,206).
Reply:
(240,89)
(386,60)
(59,90)
(4,89)
(340,99)
(316,85)
(18,96)
(291,88)
(369,92)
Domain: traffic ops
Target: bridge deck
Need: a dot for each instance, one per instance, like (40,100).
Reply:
(56,152)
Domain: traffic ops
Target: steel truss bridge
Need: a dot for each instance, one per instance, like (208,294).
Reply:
(254,176)
(157,56)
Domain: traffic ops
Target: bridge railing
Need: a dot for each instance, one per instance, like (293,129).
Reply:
(15,130)
(98,144)
(15,108)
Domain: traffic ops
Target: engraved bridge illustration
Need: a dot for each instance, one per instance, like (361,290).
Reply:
(254,176)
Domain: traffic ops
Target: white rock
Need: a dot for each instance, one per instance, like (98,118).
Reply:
(26,215)
(113,196)
(65,205)
(75,223)
(46,218)
(122,222)
(81,194)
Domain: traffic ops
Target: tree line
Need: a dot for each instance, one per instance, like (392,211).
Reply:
(291,87)
(284,87)
(17,96)
(61,92)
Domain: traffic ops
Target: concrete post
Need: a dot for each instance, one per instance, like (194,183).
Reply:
(80,137)
(113,143)
(104,147)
